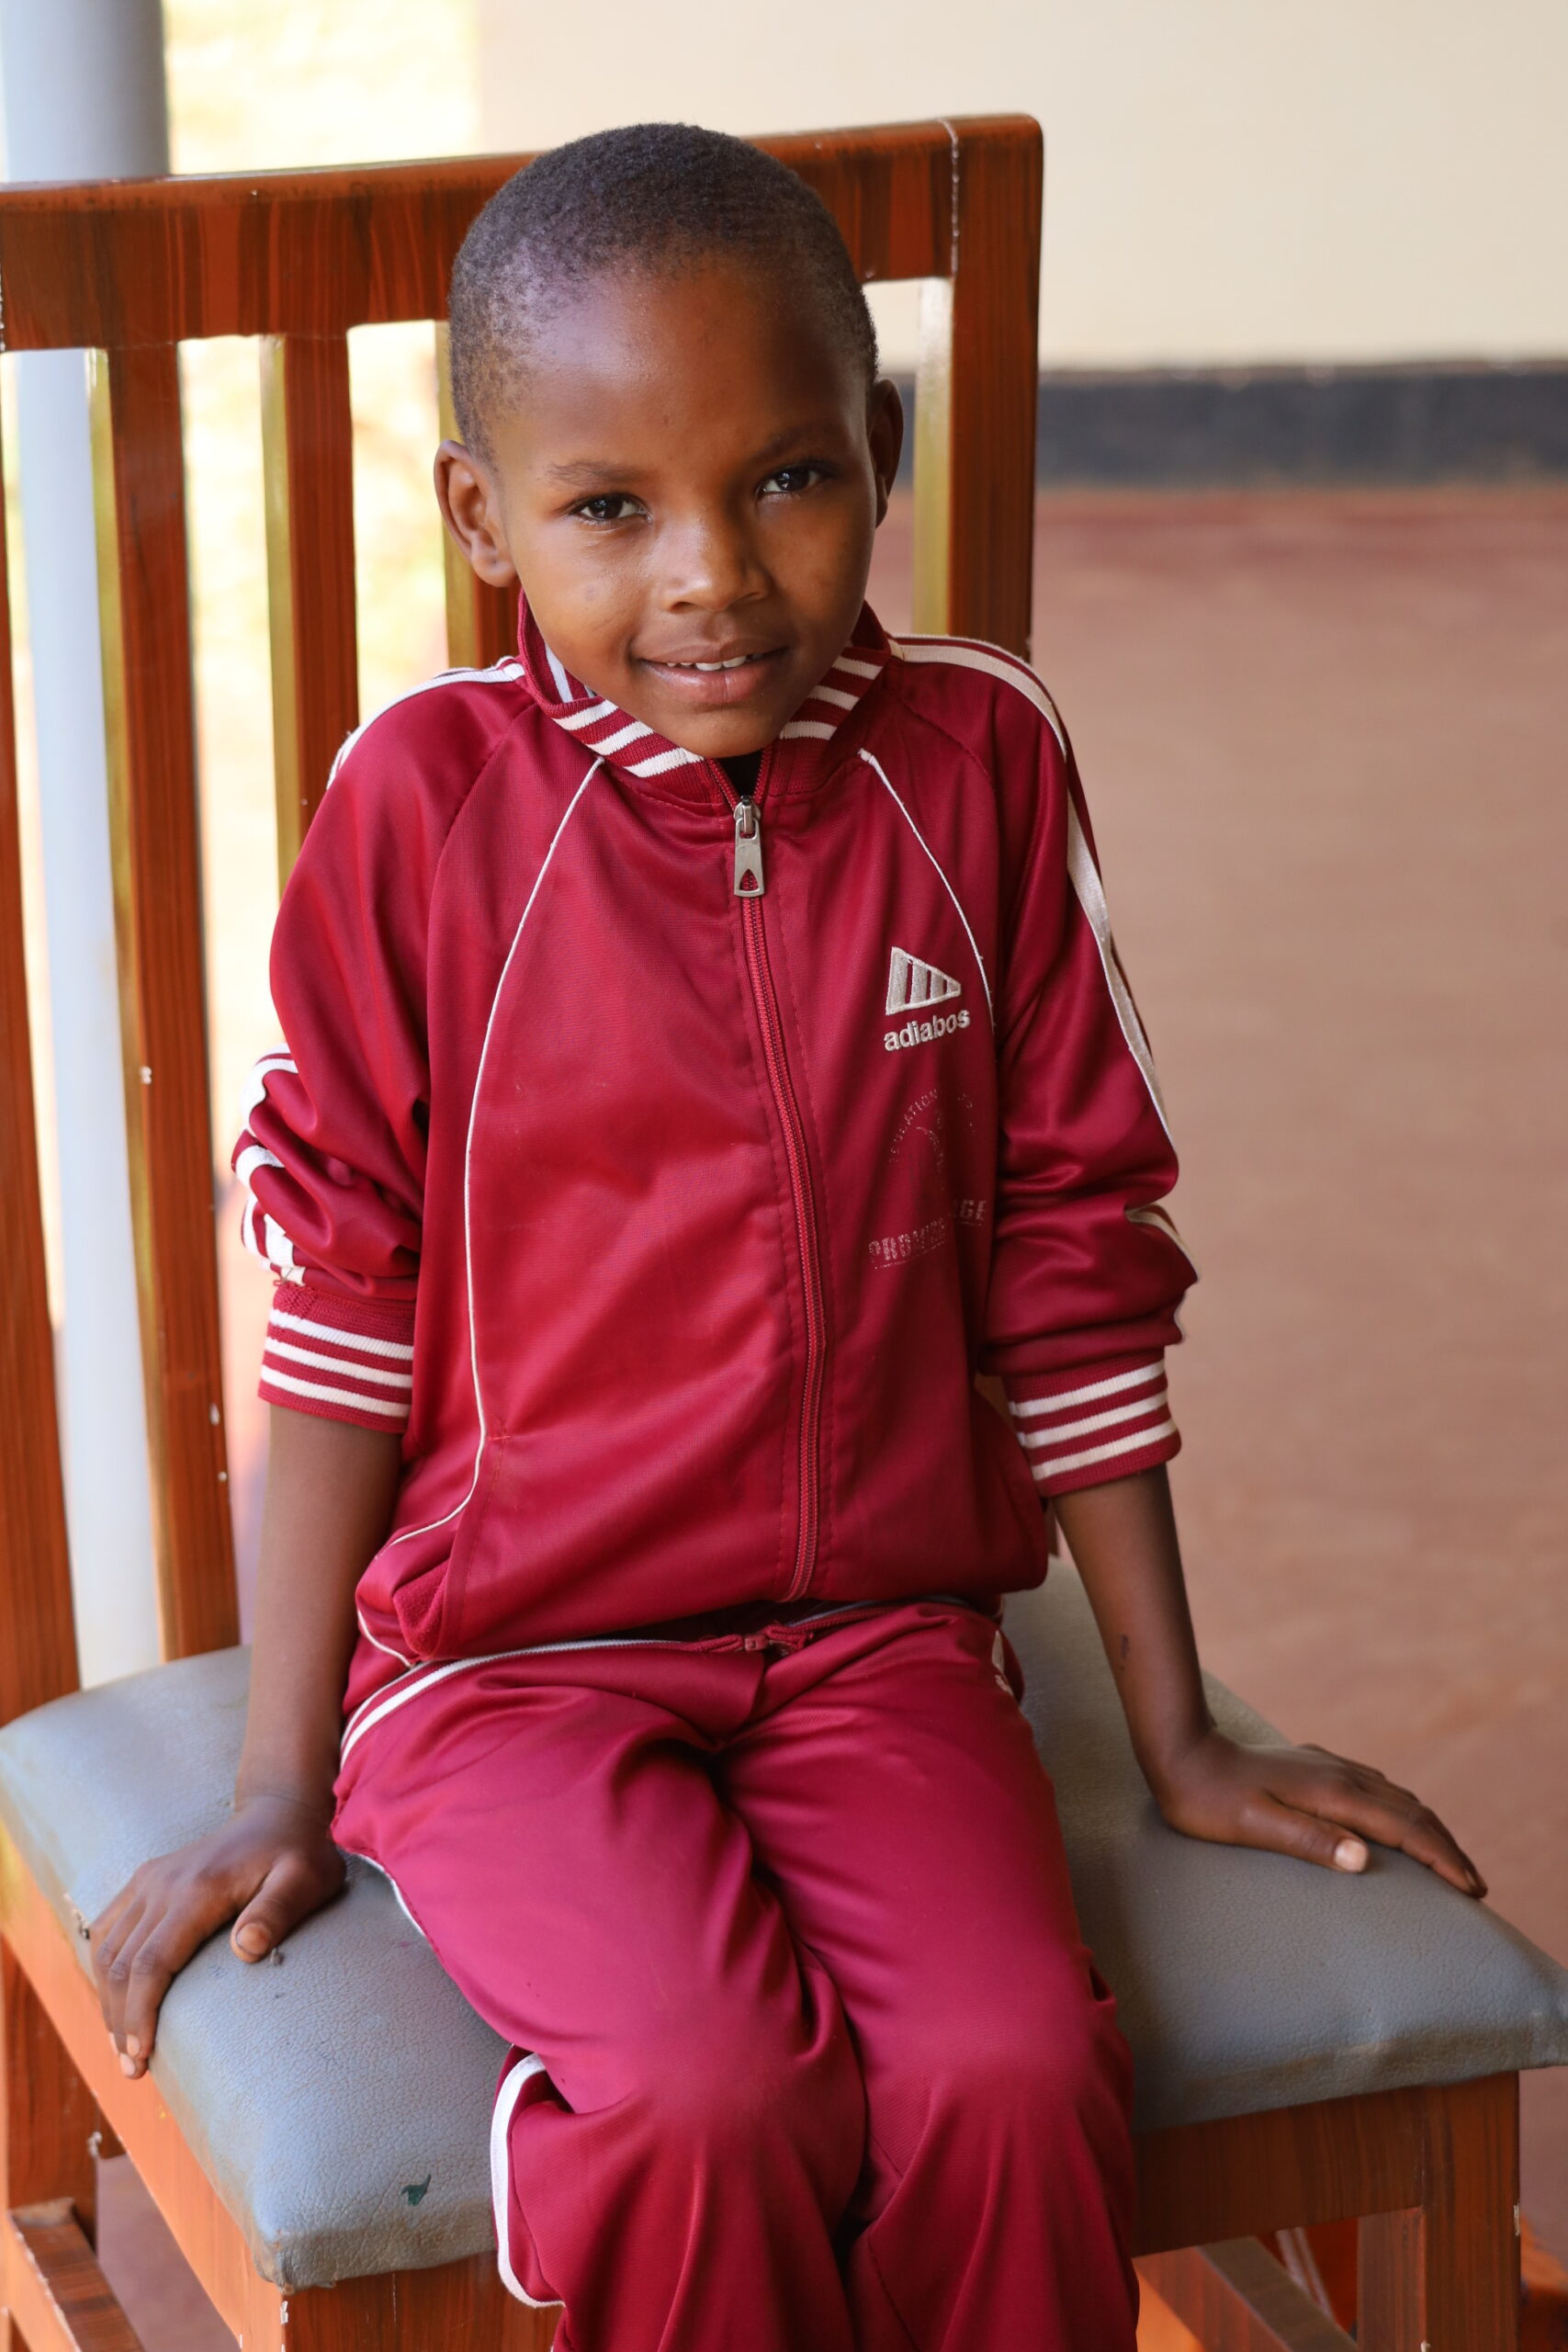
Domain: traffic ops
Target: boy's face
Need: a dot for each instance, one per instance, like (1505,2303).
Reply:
(691,476)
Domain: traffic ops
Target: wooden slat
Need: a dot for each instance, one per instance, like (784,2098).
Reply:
(204,2230)
(308,456)
(60,2297)
(48,2116)
(104,263)
(974,512)
(37,1641)
(1236,2298)
(149,706)
(930,601)
(1199,2183)
(482,621)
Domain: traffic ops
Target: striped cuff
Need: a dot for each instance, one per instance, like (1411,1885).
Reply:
(1099,1422)
(341,1358)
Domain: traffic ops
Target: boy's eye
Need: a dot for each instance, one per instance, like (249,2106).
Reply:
(610,506)
(791,478)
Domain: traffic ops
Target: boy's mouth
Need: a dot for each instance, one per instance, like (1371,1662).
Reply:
(712,682)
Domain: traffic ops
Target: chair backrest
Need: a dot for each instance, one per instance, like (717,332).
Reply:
(128,270)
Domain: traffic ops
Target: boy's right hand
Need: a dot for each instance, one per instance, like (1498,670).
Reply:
(273,1864)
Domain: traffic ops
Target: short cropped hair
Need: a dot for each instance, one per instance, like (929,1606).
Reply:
(653,196)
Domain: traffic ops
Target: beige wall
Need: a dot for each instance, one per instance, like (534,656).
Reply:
(1226,180)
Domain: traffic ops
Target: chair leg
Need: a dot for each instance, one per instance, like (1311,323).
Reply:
(1444,2275)
(48,2117)
(461,2304)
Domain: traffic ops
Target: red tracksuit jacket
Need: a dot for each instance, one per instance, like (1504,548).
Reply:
(666,1170)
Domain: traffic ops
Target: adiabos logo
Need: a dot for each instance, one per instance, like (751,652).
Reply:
(910,983)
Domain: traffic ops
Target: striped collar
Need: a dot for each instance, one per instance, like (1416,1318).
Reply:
(639,750)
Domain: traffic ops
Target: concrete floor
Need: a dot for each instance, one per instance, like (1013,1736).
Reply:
(1323,739)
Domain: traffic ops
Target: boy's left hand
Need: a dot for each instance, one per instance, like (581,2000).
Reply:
(1303,1801)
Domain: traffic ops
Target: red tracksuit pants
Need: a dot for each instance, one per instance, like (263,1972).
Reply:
(808,2053)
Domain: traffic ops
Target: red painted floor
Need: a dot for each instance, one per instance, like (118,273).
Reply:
(1324,740)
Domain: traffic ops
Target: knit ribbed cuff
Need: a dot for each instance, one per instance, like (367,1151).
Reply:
(1098,1423)
(341,1358)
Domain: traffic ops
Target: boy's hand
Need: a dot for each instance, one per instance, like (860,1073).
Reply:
(273,1862)
(1303,1801)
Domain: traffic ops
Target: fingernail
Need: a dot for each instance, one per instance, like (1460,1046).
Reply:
(252,1939)
(133,2045)
(1349,1855)
(127,2063)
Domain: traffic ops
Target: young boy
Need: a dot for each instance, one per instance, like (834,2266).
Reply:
(707,1053)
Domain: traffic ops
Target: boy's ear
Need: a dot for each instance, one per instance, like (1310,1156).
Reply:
(885,430)
(471,512)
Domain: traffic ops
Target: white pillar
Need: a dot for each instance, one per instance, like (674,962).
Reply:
(84,99)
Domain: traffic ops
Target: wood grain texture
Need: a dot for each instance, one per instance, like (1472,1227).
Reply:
(101,264)
(462,2304)
(48,2115)
(1236,2298)
(1445,2272)
(1247,2175)
(155,832)
(38,1640)
(307,464)
(61,2298)
(482,621)
(999,169)
(135,2112)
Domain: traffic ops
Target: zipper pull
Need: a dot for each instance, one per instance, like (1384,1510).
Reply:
(749,883)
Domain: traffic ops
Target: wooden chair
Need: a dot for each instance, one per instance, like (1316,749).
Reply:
(323,2121)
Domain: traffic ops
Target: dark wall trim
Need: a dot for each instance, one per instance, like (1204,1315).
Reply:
(1230,428)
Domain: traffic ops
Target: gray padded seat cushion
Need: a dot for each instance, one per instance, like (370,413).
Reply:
(340,2096)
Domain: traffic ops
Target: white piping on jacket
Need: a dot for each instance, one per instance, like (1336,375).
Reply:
(1084,876)
(457,1508)
(984,658)
(377,1643)
(1159,1220)
(504,673)
(873,761)
(1082,871)
(511,2086)
(382,1872)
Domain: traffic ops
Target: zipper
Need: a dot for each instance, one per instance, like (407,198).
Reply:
(750,888)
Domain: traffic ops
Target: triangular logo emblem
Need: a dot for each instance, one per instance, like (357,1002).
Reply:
(913,983)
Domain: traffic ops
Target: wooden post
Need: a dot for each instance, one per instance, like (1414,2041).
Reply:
(37,1641)
(308,460)
(150,707)
(975,396)
(481,622)
(47,2121)
(1443,2275)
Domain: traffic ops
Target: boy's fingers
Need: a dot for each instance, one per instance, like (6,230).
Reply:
(105,1951)
(149,1961)
(290,1892)
(1280,1829)
(1401,1821)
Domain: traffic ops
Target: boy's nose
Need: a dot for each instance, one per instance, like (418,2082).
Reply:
(709,567)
